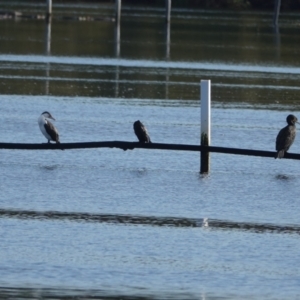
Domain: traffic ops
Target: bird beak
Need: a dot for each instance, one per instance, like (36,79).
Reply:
(52,118)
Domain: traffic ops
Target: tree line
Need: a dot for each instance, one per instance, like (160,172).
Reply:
(286,5)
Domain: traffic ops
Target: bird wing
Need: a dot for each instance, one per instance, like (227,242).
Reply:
(141,132)
(285,138)
(52,131)
(146,134)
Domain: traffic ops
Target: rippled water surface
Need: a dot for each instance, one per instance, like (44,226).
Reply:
(145,224)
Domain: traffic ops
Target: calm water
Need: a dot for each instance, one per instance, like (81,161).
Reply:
(142,224)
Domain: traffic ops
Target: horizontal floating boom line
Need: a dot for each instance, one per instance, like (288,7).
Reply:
(132,145)
(119,219)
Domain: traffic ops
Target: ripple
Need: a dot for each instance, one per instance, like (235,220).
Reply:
(149,220)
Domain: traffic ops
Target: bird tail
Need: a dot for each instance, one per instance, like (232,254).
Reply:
(58,142)
(279,154)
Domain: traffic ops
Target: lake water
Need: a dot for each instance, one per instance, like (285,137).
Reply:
(144,224)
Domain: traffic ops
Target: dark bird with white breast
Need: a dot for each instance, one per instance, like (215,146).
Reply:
(47,128)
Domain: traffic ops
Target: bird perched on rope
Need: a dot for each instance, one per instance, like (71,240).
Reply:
(286,136)
(141,132)
(47,128)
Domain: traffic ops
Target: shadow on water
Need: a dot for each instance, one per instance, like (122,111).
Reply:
(49,168)
(149,220)
(204,176)
(140,172)
(284,177)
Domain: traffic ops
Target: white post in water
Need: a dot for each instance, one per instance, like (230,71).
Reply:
(49,8)
(205,124)
(118,10)
(168,10)
(277,4)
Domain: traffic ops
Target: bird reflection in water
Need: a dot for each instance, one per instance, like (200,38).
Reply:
(283,177)
(49,168)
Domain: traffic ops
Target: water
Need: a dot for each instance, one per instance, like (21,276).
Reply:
(144,224)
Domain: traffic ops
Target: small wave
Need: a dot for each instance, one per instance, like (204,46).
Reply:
(149,220)
(38,292)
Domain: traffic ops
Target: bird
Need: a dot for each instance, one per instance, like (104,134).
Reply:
(47,128)
(286,136)
(141,132)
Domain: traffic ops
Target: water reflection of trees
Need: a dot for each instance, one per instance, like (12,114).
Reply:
(210,4)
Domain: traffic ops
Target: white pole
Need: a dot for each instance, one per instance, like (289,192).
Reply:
(49,8)
(117,39)
(168,10)
(118,10)
(168,40)
(205,96)
(277,4)
(48,37)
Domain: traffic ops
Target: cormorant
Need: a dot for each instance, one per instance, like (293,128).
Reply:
(286,136)
(47,128)
(141,132)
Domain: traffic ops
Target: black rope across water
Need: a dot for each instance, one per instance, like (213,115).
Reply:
(121,219)
(133,145)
